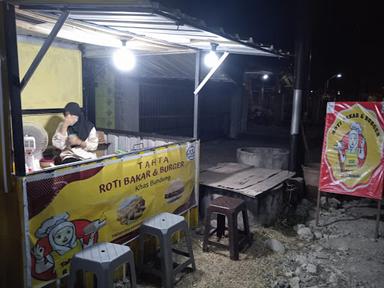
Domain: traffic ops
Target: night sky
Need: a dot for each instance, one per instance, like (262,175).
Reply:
(345,35)
(347,39)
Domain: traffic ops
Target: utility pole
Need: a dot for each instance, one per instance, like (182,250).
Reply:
(300,75)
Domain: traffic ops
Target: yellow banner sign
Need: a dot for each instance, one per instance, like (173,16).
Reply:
(106,202)
(352,159)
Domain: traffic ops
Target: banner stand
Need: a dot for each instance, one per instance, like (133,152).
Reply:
(352,158)
(318,207)
(378,219)
(377,228)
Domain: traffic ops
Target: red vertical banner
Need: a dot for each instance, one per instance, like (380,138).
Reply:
(352,160)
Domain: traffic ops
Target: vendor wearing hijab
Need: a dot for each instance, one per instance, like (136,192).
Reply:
(76,137)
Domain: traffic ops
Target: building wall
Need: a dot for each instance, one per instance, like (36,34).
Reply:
(162,106)
(215,110)
(113,96)
(166,107)
(127,104)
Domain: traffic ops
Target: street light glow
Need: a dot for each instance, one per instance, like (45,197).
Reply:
(339,75)
(265,77)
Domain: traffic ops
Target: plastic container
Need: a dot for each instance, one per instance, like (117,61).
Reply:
(264,157)
(311,174)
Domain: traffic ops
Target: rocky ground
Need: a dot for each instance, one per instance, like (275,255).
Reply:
(341,252)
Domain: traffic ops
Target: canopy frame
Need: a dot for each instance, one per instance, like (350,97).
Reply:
(43,50)
(65,11)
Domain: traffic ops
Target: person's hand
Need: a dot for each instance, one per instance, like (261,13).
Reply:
(70,120)
(74,140)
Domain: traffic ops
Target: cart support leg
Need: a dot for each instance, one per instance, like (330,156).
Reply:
(196,96)
(13,83)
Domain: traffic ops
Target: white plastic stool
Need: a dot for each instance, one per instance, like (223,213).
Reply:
(163,226)
(103,259)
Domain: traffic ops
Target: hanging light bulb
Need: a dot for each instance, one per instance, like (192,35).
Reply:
(123,58)
(211,58)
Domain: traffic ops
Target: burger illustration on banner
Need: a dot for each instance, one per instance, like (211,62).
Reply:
(174,191)
(130,209)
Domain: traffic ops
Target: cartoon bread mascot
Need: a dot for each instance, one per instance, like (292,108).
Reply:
(351,149)
(59,240)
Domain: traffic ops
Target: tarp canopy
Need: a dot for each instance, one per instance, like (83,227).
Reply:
(148,27)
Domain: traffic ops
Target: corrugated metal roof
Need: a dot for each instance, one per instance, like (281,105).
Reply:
(172,66)
(147,26)
(175,66)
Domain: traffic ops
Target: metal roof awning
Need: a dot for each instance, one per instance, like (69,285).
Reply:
(147,27)
(175,66)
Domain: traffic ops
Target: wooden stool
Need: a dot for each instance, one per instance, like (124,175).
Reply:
(230,208)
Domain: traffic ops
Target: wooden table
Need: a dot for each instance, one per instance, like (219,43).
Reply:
(243,179)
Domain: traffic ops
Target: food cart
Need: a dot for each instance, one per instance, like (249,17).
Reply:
(49,214)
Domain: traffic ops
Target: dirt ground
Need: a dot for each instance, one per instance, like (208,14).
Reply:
(341,252)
